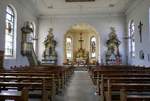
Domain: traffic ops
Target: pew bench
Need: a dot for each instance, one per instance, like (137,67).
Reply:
(59,74)
(37,83)
(14,95)
(128,90)
(130,77)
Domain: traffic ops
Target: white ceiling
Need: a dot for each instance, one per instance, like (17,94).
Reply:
(57,7)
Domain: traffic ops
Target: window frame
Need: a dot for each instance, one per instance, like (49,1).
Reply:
(13,29)
(132,38)
(69,49)
(93,57)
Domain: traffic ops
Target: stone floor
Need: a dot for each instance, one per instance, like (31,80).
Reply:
(80,88)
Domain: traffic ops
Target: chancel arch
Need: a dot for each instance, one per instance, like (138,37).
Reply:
(81,44)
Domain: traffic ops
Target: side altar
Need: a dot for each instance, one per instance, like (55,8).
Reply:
(113,55)
(49,54)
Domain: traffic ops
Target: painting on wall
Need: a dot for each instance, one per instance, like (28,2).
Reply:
(141,54)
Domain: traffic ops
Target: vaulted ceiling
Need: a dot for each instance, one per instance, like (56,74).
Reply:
(57,7)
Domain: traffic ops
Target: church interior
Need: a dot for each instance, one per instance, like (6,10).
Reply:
(74,50)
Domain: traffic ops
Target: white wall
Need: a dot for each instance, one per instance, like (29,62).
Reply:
(139,11)
(24,13)
(61,24)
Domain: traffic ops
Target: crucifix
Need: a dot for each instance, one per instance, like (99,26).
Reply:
(81,40)
(140,30)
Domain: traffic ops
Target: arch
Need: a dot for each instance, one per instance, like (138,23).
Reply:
(87,32)
(10,31)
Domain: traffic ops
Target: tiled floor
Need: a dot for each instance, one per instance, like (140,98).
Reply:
(80,88)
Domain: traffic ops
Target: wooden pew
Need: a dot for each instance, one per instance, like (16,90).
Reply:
(96,72)
(126,88)
(60,74)
(14,95)
(31,82)
(109,84)
(119,74)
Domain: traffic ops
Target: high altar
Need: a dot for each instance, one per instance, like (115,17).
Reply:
(81,56)
(81,45)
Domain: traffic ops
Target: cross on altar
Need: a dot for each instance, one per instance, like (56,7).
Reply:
(81,40)
(140,30)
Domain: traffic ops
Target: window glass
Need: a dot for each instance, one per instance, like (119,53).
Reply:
(93,47)
(10,31)
(69,48)
(132,37)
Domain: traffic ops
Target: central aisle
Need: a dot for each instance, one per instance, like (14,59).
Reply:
(80,88)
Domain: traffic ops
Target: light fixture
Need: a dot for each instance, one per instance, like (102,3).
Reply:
(110,8)
(51,21)
(80,12)
(50,7)
(111,5)
(48,4)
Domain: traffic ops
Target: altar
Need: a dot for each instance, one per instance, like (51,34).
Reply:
(81,56)
(80,61)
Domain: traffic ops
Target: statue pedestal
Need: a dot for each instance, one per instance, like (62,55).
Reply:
(44,61)
(49,60)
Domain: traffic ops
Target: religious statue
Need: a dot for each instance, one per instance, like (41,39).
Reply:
(113,43)
(49,53)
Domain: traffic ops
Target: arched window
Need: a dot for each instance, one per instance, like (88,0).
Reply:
(10,32)
(93,47)
(69,48)
(132,38)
